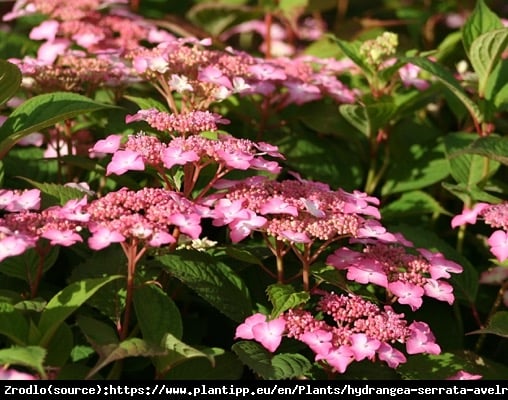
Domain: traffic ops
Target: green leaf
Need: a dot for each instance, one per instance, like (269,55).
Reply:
(352,50)
(42,111)
(212,280)
(423,165)
(157,314)
(55,194)
(10,80)
(133,347)
(470,193)
(485,54)
(59,347)
(146,103)
(466,168)
(65,302)
(493,147)
(449,81)
(284,297)
(280,366)
(227,367)
(415,202)
(98,333)
(498,325)
(176,353)
(481,20)
(27,356)
(13,324)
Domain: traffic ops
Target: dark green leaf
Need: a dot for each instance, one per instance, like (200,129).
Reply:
(212,280)
(493,146)
(27,356)
(25,265)
(13,324)
(10,80)
(498,325)
(157,314)
(412,203)
(65,302)
(481,20)
(284,297)
(42,111)
(98,333)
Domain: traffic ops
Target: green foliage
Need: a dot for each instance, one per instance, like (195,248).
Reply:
(10,80)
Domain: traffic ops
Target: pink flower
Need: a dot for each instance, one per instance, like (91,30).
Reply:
(363,347)
(47,30)
(123,161)
(439,290)
(319,341)
(62,237)
(464,376)
(373,229)
(276,205)
(498,243)
(238,159)
(242,227)
(9,374)
(226,211)
(468,216)
(244,331)
(297,237)
(407,293)
(269,334)
(494,276)
(390,355)
(108,145)
(26,200)
(12,246)
(189,224)
(369,271)
(161,238)
(102,237)
(177,156)
(213,74)
(49,51)
(409,76)
(421,340)
(440,266)
(338,358)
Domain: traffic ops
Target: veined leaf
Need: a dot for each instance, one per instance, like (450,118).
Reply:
(156,313)
(493,147)
(27,356)
(41,112)
(55,194)
(13,324)
(481,20)
(65,302)
(284,297)
(133,347)
(485,54)
(10,80)
(212,280)
(263,363)
(449,81)
(415,202)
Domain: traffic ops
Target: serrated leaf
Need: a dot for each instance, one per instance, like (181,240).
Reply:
(263,363)
(481,20)
(177,352)
(284,297)
(133,347)
(156,314)
(55,194)
(42,111)
(449,81)
(10,80)
(213,280)
(470,193)
(485,54)
(27,356)
(13,324)
(493,146)
(498,325)
(242,255)
(65,302)
(415,202)
(227,367)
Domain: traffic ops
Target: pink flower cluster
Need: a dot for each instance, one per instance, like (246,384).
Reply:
(494,215)
(360,330)
(227,151)
(193,122)
(298,211)
(405,275)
